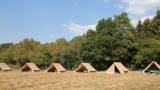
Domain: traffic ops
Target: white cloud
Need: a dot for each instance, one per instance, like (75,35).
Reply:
(79,29)
(140,7)
(134,21)
(146,17)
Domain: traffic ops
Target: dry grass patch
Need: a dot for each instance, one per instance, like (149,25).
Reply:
(15,80)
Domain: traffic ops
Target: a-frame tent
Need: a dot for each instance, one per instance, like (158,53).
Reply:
(85,67)
(153,63)
(56,67)
(117,67)
(30,67)
(4,67)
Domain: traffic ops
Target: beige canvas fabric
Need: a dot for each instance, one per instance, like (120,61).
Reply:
(85,67)
(120,67)
(151,64)
(56,67)
(111,69)
(4,67)
(30,67)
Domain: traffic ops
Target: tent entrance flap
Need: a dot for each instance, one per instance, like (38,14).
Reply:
(117,71)
(27,69)
(53,69)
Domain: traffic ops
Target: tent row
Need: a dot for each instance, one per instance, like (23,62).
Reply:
(116,67)
(57,67)
(54,67)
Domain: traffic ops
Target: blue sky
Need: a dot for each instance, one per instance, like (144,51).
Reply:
(48,20)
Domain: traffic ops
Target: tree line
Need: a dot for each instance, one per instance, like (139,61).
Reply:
(115,39)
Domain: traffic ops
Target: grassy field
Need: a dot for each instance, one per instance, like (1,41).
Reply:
(15,80)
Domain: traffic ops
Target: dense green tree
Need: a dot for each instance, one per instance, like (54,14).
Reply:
(6,55)
(148,50)
(112,41)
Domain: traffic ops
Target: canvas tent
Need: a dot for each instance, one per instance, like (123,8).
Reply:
(85,67)
(56,67)
(4,67)
(30,67)
(148,68)
(117,67)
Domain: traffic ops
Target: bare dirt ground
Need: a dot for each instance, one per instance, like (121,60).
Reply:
(15,80)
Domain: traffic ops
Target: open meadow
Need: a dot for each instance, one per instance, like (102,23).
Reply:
(16,80)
